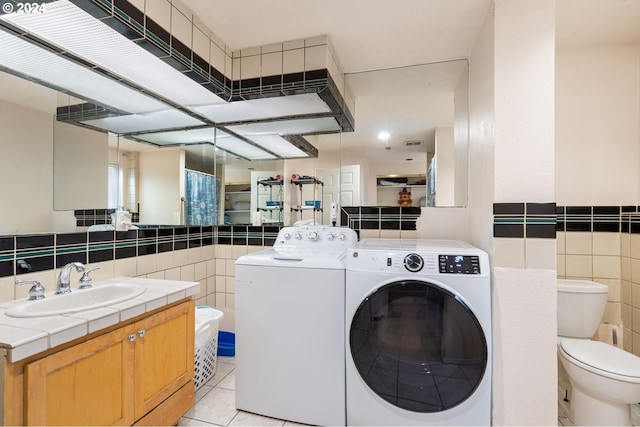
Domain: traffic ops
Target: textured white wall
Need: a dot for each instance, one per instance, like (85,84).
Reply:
(524,312)
(481,138)
(524,72)
(80,172)
(598,126)
(161,186)
(445,161)
(524,343)
(26,169)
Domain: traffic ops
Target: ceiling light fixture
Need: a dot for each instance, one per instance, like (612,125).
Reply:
(24,59)
(240,148)
(70,50)
(277,144)
(383,136)
(222,140)
(256,109)
(74,30)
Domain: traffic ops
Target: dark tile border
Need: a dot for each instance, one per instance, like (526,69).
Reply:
(525,220)
(379,217)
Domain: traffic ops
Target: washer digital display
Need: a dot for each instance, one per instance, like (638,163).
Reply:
(459,264)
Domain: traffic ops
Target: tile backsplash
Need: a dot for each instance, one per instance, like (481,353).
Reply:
(30,253)
(611,219)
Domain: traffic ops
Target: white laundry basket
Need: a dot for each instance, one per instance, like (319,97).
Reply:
(207,321)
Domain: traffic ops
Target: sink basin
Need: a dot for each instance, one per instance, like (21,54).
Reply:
(77,300)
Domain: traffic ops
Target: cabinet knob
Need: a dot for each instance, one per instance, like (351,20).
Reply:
(142,333)
(132,337)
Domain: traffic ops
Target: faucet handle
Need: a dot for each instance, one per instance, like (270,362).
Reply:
(37,290)
(85,280)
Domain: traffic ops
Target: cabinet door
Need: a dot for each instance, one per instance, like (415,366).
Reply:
(88,384)
(164,355)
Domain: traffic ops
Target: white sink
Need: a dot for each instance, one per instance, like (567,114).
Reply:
(77,300)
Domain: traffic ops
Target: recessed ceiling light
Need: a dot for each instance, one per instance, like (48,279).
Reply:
(383,136)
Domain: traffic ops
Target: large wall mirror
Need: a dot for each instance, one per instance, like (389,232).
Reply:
(411,132)
(54,168)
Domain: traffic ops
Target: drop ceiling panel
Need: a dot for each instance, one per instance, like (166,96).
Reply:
(241,148)
(190,136)
(265,108)
(26,59)
(288,127)
(278,145)
(72,29)
(144,122)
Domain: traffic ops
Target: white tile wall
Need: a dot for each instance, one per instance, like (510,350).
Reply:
(540,253)
(293,44)
(293,61)
(315,57)
(272,64)
(250,67)
(509,252)
(201,45)
(160,12)
(578,243)
(181,27)
(579,266)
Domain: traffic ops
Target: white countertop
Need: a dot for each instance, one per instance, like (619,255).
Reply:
(24,337)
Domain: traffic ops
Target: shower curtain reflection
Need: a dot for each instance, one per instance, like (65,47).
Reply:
(202,204)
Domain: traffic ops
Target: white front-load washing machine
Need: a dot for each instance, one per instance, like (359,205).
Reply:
(289,313)
(418,333)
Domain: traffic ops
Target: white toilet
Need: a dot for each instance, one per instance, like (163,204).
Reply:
(604,379)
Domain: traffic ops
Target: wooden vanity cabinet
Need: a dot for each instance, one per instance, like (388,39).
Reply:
(139,373)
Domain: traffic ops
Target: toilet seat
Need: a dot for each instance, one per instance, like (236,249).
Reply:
(602,358)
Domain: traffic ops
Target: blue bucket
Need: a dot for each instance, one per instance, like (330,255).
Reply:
(226,343)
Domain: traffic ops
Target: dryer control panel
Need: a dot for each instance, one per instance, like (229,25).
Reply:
(422,263)
(459,264)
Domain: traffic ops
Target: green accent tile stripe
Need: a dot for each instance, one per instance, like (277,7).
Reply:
(520,220)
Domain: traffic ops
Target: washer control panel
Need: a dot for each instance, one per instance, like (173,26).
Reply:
(317,237)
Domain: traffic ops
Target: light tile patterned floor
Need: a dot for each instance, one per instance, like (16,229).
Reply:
(216,406)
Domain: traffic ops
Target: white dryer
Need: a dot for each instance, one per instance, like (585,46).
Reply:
(418,333)
(290,326)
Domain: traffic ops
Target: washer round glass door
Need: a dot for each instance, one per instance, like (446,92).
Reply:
(418,346)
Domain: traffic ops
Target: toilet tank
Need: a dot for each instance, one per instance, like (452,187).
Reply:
(581,305)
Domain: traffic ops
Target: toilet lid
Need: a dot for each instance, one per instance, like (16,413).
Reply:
(602,356)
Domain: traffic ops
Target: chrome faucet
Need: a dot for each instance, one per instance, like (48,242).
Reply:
(64,285)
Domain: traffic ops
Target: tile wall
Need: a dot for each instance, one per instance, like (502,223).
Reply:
(381,221)
(524,235)
(175,253)
(194,253)
(602,243)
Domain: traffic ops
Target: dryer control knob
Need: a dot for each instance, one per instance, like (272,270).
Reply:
(331,236)
(342,237)
(413,263)
(287,236)
(313,236)
(298,236)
